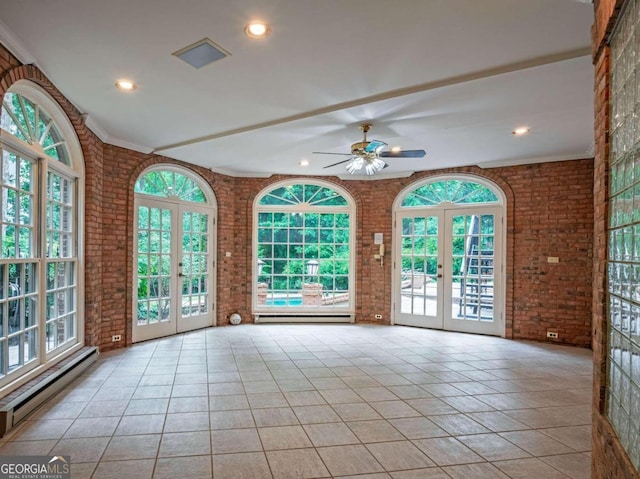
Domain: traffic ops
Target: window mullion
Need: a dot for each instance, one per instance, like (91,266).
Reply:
(41,247)
(16,121)
(26,119)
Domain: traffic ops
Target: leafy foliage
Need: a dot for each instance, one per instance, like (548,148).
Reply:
(168,184)
(471,235)
(313,231)
(25,119)
(452,191)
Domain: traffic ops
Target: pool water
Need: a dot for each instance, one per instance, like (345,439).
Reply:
(284,301)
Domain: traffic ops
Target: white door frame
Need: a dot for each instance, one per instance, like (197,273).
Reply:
(446,210)
(176,323)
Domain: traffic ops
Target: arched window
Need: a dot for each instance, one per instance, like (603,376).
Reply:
(168,183)
(173,261)
(303,249)
(454,191)
(40,262)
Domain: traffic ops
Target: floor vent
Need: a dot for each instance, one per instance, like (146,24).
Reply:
(14,411)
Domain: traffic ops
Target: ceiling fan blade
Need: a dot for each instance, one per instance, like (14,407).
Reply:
(403,154)
(327,153)
(336,164)
(374,145)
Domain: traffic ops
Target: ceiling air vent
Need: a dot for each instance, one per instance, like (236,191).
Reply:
(201,53)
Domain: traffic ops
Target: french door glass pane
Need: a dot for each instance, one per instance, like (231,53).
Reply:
(195,261)
(419,258)
(472,269)
(154,264)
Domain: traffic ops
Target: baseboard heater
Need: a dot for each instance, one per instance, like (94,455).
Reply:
(18,408)
(298,318)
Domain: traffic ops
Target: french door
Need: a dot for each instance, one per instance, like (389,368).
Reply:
(448,269)
(173,286)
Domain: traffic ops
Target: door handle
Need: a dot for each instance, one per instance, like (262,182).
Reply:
(180,275)
(439,276)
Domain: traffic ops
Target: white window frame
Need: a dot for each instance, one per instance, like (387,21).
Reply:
(42,164)
(261,314)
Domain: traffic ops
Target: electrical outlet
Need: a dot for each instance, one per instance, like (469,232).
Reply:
(115,338)
(378,316)
(551,334)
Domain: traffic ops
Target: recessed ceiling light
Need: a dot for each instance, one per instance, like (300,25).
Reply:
(125,85)
(257,29)
(396,149)
(304,162)
(523,130)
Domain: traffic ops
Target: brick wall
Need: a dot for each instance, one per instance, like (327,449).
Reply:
(552,218)
(549,214)
(609,458)
(122,168)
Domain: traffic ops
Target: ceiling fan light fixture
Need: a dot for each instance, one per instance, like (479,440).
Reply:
(523,130)
(304,162)
(355,165)
(374,166)
(367,154)
(371,165)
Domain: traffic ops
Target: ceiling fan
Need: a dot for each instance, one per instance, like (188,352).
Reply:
(367,154)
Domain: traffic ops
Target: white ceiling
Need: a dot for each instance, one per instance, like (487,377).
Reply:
(452,77)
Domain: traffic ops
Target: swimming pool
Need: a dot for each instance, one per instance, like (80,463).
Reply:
(293,301)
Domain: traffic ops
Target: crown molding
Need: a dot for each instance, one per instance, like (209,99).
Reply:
(96,128)
(240,174)
(384,176)
(14,45)
(129,146)
(531,161)
(101,133)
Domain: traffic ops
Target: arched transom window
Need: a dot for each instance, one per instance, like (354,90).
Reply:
(170,184)
(455,191)
(28,122)
(303,248)
(40,273)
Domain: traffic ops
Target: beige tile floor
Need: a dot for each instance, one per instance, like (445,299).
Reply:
(314,401)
